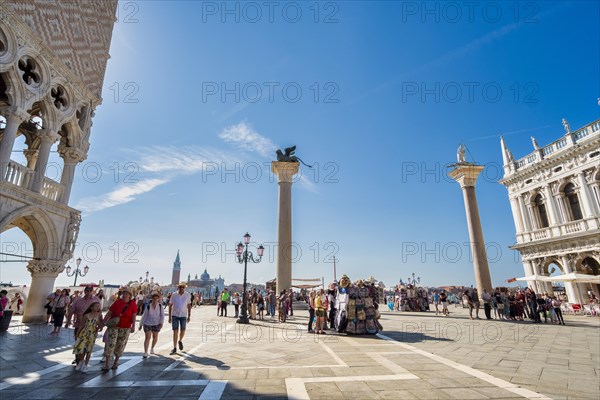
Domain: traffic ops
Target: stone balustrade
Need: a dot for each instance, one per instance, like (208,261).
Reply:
(570,139)
(567,228)
(19,175)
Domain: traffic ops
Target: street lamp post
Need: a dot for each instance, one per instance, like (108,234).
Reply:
(414,280)
(77,271)
(243,256)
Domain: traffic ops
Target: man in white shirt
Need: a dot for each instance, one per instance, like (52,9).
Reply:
(180,309)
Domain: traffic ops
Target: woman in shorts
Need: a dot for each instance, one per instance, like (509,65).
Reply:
(152,321)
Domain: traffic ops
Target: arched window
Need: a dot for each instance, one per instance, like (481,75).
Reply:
(573,201)
(541,211)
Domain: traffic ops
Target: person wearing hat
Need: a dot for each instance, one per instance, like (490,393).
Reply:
(179,306)
(77,309)
(125,308)
(152,321)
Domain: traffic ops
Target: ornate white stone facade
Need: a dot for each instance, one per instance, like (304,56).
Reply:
(554,194)
(52,62)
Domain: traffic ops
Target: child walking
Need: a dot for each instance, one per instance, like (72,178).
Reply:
(92,319)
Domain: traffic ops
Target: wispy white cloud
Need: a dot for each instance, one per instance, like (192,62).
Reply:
(165,163)
(161,159)
(123,194)
(246,138)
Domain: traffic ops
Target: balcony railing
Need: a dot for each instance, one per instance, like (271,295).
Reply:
(19,175)
(556,231)
(575,226)
(591,129)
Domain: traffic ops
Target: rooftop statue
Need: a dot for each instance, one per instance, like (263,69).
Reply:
(566,125)
(288,156)
(535,143)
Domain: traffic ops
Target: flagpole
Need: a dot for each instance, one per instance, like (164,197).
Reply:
(334,274)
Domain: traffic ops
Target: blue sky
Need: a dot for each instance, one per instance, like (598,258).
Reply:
(378,95)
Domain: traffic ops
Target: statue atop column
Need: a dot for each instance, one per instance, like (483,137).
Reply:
(460,154)
(288,156)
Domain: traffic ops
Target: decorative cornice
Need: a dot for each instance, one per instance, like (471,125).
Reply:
(577,150)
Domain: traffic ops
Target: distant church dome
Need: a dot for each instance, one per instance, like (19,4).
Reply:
(205,276)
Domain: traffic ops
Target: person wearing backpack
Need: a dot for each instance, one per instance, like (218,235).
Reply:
(153,318)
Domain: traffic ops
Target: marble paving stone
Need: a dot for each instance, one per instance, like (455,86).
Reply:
(260,368)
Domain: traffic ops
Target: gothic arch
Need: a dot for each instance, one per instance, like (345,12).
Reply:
(38,226)
(8,47)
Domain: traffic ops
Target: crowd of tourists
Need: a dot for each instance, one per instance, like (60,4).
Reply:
(85,313)
(259,304)
(505,304)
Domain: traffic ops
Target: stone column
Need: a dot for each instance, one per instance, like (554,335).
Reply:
(526,221)
(529,268)
(31,156)
(285,171)
(71,157)
(586,199)
(14,117)
(570,287)
(550,205)
(516,212)
(43,275)
(466,175)
(48,138)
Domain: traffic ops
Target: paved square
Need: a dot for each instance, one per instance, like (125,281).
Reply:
(418,356)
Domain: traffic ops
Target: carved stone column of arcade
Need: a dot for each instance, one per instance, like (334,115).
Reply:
(43,275)
(529,268)
(31,156)
(571,288)
(285,171)
(71,157)
(48,137)
(14,118)
(466,175)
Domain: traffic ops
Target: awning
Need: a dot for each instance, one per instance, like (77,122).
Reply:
(570,277)
(306,286)
(539,278)
(575,277)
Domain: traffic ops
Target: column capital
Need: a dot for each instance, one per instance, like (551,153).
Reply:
(45,268)
(285,170)
(465,173)
(16,112)
(48,135)
(71,154)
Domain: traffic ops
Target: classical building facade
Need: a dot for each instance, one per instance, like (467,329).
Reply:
(554,194)
(53,57)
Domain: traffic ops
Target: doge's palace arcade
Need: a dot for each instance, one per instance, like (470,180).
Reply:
(554,195)
(53,58)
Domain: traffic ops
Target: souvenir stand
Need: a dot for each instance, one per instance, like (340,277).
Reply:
(358,312)
(413,298)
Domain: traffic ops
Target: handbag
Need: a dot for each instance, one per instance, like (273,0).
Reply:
(114,321)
